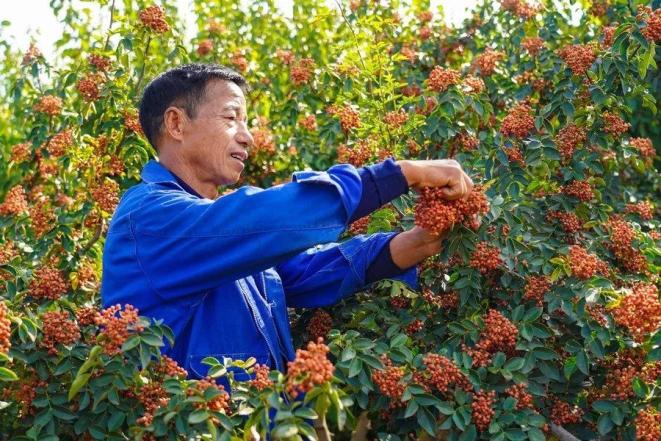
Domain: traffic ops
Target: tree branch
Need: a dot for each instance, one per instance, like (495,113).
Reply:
(561,433)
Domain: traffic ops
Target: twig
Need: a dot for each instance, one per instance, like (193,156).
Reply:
(363,425)
(562,434)
(144,64)
(112,17)
(320,426)
(93,240)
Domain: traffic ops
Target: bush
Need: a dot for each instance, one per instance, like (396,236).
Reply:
(543,318)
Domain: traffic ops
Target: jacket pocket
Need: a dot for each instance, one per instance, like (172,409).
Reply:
(199,369)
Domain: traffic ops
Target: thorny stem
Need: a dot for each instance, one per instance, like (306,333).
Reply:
(93,240)
(144,64)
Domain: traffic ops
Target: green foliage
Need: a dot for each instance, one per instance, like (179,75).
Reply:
(570,346)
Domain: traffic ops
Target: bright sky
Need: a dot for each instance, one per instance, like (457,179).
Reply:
(34,18)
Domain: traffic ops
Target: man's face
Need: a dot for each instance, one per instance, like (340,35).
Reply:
(217,139)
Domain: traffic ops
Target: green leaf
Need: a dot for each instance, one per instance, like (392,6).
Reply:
(640,388)
(535,434)
(582,362)
(411,408)
(7,375)
(515,364)
(645,60)
(470,434)
(604,424)
(570,367)
(426,421)
(115,421)
(603,406)
(77,384)
(198,416)
(285,431)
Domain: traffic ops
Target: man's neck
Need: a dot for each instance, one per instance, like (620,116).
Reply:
(186,173)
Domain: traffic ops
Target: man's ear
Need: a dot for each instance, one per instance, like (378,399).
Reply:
(174,121)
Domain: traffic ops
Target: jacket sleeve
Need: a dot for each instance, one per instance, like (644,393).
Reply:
(186,244)
(324,275)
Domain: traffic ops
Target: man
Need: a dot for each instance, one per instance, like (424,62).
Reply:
(221,271)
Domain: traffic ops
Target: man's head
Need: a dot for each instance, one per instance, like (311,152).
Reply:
(196,113)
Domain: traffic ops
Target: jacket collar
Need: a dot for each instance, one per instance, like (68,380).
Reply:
(155,173)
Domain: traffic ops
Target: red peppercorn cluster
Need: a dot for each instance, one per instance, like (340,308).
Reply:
(395,119)
(356,155)
(100,62)
(26,394)
(285,57)
(643,209)
(359,226)
(309,123)
(151,396)
(204,47)
(445,301)
(349,117)
(581,190)
(473,84)
(571,223)
(599,8)
(585,265)
(536,288)
(311,367)
(411,90)
(648,423)
(115,166)
(518,122)
(441,373)
(319,325)
(608,32)
(622,236)
(436,214)
(7,252)
(49,104)
(153,17)
(31,54)
(652,29)
(409,53)
(15,202)
(440,79)
(485,258)
(88,86)
(48,283)
(579,57)
(519,7)
(106,195)
(425,32)
(568,138)
(614,125)
(389,381)
(20,152)
(644,147)
(239,60)
(263,140)
(117,329)
(533,45)
(301,71)
(640,311)
(482,407)
(58,328)
(515,156)
(425,16)
(466,141)
(42,218)
(414,326)
(132,123)
(58,144)
(597,313)
(400,302)
(86,315)
(219,403)
(485,63)
(261,380)
(520,393)
(499,334)
(5,328)
(168,367)
(562,413)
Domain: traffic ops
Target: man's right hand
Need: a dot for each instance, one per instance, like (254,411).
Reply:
(445,173)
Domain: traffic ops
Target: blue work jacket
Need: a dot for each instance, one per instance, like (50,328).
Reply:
(221,273)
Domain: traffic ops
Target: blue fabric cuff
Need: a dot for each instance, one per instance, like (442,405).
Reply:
(383,266)
(382,183)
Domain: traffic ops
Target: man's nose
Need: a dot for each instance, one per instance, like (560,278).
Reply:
(243,136)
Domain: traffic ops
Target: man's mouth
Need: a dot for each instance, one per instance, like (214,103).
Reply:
(239,156)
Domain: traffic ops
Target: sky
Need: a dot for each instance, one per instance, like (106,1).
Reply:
(34,18)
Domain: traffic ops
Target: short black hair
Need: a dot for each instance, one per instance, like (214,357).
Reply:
(184,86)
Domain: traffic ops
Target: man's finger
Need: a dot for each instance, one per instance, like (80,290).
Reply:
(454,191)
